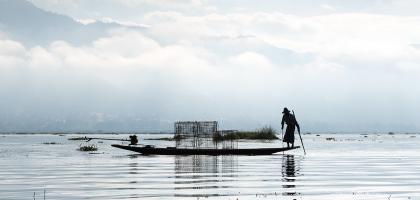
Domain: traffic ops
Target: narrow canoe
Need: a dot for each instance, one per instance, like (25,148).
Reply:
(149,150)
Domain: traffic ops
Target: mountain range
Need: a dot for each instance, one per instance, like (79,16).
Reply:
(34,26)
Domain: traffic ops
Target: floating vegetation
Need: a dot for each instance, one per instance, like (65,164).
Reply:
(78,138)
(265,133)
(91,147)
(51,143)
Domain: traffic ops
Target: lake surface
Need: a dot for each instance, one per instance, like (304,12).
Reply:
(337,166)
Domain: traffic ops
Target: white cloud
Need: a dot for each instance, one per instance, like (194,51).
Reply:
(170,79)
(10,48)
(12,53)
(131,3)
(126,44)
(86,21)
(120,53)
(203,66)
(124,23)
(251,60)
(42,58)
(340,37)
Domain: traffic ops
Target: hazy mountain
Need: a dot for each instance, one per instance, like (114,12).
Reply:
(34,26)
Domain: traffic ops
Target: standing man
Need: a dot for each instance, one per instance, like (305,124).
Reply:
(290,120)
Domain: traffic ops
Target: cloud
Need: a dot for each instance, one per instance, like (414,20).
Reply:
(86,21)
(130,3)
(345,38)
(251,59)
(182,81)
(342,70)
(342,36)
(11,53)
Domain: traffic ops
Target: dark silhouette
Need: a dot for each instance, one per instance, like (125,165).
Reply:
(133,140)
(197,138)
(290,120)
(289,173)
(288,167)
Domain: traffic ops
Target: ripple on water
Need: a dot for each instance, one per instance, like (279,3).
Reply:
(331,170)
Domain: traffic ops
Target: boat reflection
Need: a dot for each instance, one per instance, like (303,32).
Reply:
(203,173)
(289,174)
(216,165)
(205,176)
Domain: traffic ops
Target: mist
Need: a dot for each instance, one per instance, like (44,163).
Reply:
(238,69)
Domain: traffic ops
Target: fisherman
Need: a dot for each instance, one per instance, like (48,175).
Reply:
(290,120)
(133,140)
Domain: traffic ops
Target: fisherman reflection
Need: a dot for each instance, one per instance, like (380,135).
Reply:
(288,174)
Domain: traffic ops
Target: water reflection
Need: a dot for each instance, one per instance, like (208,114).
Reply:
(289,173)
(200,174)
(133,168)
(215,165)
(215,176)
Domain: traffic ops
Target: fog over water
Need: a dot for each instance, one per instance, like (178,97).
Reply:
(141,65)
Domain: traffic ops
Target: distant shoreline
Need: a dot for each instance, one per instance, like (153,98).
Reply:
(81,133)
(166,133)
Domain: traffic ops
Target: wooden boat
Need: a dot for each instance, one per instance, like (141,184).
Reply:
(151,150)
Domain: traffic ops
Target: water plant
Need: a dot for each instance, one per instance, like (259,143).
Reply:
(90,147)
(78,138)
(265,133)
(51,143)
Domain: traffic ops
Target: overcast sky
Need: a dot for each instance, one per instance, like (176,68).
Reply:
(341,65)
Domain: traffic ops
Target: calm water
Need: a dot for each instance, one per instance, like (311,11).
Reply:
(350,166)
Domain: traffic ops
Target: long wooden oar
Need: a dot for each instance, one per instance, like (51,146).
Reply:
(282,137)
(89,139)
(93,138)
(282,143)
(300,135)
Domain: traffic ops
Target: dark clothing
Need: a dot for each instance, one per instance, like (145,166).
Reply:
(289,136)
(291,122)
(133,140)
